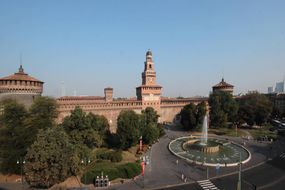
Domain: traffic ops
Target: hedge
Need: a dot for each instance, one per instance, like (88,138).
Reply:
(125,171)
(113,156)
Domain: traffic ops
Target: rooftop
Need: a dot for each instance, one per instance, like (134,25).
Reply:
(222,84)
(20,76)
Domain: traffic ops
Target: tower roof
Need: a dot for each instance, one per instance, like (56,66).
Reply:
(222,84)
(20,76)
(148,52)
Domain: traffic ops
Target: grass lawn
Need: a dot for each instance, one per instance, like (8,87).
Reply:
(228,132)
(262,132)
(115,170)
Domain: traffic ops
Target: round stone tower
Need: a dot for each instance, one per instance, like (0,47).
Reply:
(21,87)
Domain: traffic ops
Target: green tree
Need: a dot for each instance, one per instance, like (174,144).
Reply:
(149,125)
(150,133)
(150,115)
(13,135)
(223,109)
(254,108)
(79,128)
(42,115)
(128,126)
(192,115)
(50,159)
(43,112)
(14,114)
(201,110)
(99,123)
(188,116)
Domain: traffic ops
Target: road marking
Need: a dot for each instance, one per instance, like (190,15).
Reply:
(207,185)
(282,155)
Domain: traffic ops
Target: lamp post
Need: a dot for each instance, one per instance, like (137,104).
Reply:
(85,161)
(239,174)
(21,162)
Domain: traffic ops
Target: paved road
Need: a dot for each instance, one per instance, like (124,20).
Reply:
(164,171)
(267,176)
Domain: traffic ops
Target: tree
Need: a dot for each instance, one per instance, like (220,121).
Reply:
(149,127)
(100,125)
(13,135)
(43,112)
(223,109)
(254,108)
(192,115)
(50,159)
(128,124)
(14,114)
(42,115)
(201,110)
(150,133)
(80,129)
(150,115)
(188,116)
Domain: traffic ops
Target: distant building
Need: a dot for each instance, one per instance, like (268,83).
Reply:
(270,90)
(279,88)
(148,95)
(21,87)
(278,100)
(223,86)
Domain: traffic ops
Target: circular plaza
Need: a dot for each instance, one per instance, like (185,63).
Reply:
(219,152)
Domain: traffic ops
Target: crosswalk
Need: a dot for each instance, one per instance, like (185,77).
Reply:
(282,155)
(207,185)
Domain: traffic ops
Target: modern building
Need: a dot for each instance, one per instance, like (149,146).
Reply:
(278,100)
(148,95)
(223,86)
(21,87)
(279,88)
(270,90)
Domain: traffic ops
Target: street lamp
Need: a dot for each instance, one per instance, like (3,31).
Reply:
(85,161)
(21,162)
(239,174)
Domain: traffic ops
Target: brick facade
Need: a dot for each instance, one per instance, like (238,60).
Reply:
(148,95)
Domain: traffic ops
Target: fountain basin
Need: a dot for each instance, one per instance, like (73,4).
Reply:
(228,154)
(196,144)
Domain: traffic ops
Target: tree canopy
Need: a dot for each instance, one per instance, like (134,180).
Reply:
(20,127)
(128,128)
(13,135)
(254,108)
(223,109)
(192,115)
(50,159)
(85,129)
(149,128)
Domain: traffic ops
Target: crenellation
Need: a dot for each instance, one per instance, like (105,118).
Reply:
(24,88)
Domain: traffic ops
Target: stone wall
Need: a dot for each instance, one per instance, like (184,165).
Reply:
(168,110)
(25,99)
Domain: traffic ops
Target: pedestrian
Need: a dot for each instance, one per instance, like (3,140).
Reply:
(182,177)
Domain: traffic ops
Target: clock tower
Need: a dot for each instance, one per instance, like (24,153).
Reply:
(149,92)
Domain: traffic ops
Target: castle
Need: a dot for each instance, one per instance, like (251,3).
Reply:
(21,87)
(24,88)
(148,95)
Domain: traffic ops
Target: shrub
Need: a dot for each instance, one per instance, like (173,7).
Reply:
(161,130)
(124,171)
(113,156)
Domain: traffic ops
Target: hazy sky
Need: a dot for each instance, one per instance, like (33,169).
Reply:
(94,44)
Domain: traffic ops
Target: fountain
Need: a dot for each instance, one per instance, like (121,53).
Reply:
(208,150)
(205,131)
(202,144)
